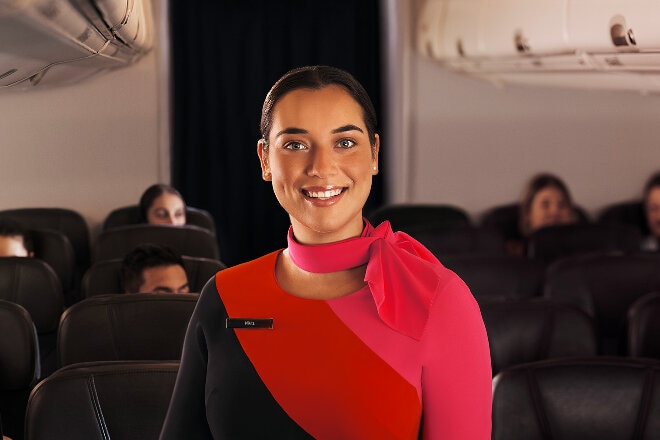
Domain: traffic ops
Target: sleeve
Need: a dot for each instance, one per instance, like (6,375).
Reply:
(186,416)
(456,371)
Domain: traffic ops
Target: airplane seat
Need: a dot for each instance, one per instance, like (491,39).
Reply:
(459,240)
(136,326)
(553,242)
(644,326)
(628,213)
(404,216)
(19,364)
(590,398)
(55,249)
(185,240)
(67,221)
(101,400)
(104,277)
(530,330)
(130,215)
(498,277)
(34,285)
(504,218)
(604,286)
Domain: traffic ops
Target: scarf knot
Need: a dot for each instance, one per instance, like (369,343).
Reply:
(402,274)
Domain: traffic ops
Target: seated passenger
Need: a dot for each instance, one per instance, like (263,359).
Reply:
(15,241)
(546,201)
(162,204)
(151,268)
(652,211)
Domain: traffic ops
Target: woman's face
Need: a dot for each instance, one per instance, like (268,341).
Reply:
(320,162)
(167,209)
(549,207)
(653,211)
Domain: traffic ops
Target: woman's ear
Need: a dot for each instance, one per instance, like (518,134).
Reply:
(375,148)
(262,151)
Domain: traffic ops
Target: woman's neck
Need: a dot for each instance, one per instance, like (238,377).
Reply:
(309,236)
(321,286)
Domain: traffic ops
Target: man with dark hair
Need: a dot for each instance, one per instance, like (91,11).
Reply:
(152,268)
(15,241)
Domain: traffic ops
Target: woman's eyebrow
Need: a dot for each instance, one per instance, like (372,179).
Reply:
(349,127)
(292,130)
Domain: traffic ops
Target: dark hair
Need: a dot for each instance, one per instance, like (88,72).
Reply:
(11,228)
(317,77)
(145,256)
(151,194)
(653,182)
(536,184)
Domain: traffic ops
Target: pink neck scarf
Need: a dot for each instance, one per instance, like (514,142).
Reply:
(401,273)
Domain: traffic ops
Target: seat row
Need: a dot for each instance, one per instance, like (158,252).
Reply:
(605,287)
(448,230)
(97,336)
(503,218)
(61,239)
(32,284)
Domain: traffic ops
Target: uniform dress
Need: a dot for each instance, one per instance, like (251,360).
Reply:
(259,362)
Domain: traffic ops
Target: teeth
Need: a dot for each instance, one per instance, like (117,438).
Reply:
(323,194)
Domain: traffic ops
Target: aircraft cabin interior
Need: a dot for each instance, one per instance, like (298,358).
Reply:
(519,148)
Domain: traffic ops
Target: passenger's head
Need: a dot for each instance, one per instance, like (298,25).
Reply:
(162,204)
(15,241)
(319,148)
(546,201)
(652,204)
(151,268)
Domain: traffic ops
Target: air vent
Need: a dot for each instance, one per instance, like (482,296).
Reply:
(7,73)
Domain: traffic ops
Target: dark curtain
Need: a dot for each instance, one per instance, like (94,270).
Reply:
(225,56)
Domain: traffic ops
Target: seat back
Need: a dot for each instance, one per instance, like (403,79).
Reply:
(627,213)
(604,286)
(67,221)
(551,243)
(125,327)
(104,277)
(111,400)
(404,216)
(532,330)
(459,240)
(588,399)
(185,240)
(505,219)
(644,326)
(19,364)
(54,248)
(32,284)
(130,215)
(498,277)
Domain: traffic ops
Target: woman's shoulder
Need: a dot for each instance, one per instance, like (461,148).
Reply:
(250,268)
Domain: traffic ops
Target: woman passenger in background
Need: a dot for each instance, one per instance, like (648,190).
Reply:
(162,204)
(352,331)
(652,211)
(546,201)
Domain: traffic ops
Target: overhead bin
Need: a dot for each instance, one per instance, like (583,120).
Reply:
(61,41)
(547,42)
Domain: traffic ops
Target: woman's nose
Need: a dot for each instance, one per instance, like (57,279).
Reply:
(321,163)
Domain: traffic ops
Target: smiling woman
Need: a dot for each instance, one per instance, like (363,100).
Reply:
(367,335)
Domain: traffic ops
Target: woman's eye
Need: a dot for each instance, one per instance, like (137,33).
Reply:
(346,143)
(294,146)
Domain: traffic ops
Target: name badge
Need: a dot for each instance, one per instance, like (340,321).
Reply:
(256,323)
